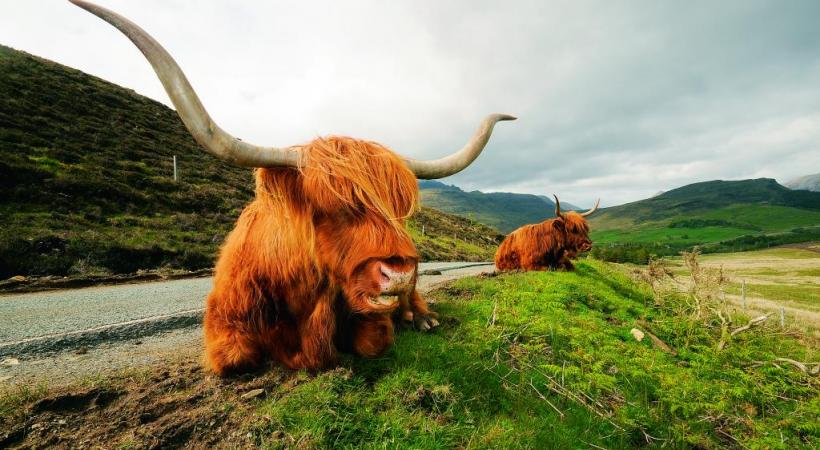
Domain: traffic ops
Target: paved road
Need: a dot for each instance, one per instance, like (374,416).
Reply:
(47,340)
(31,317)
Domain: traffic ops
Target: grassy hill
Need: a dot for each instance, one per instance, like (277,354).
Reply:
(715,215)
(502,210)
(527,360)
(88,182)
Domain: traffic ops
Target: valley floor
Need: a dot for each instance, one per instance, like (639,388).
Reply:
(787,277)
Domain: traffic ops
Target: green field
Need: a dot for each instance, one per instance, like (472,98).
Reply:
(738,220)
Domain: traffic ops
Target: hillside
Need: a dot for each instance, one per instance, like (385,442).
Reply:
(502,210)
(88,182)
(717,215)
(805,183)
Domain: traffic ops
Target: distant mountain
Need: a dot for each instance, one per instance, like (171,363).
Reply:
(502,210)
(805,183)
(713,212)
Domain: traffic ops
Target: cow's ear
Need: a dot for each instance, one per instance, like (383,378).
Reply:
(559,224)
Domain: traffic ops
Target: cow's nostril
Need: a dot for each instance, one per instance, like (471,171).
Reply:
(385,273)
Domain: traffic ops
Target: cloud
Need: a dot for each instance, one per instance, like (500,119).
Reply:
(615,100)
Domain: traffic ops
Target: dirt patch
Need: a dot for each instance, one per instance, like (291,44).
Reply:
(172,407)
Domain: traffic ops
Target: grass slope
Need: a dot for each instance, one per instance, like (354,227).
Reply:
(502,210)
(88,181)
(528,360)
(716,215)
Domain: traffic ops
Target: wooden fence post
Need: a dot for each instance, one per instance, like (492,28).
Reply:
(743,294)
(782,317)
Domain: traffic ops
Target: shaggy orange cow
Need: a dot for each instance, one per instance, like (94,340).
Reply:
(548,245)
(319,261)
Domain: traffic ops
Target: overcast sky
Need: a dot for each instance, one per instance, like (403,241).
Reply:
(615,99)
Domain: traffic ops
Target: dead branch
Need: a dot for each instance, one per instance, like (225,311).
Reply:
(541,396)
(656,341)
(493,317)
(812,368)
(753,322)
(756,321)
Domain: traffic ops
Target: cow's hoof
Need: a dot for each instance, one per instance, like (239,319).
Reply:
(425,323)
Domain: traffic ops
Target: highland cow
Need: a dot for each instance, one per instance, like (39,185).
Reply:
(548,245)
(319,261)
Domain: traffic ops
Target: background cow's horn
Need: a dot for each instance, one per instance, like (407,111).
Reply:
(215,140)
(557,206)
(458,161)
(594,208)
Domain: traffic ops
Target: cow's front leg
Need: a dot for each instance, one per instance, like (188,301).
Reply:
(415,312)
(315,338)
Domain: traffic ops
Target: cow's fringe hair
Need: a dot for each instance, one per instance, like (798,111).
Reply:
(359,174)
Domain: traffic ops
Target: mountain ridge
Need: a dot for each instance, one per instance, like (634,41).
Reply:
(505,211)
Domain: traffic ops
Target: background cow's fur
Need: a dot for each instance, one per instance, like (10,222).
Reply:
(548,245)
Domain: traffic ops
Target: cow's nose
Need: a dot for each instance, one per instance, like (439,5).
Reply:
(395,281)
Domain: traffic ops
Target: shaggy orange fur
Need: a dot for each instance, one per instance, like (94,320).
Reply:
(548,245)
(294,276)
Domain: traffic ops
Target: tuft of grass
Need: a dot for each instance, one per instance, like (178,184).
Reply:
(13,399)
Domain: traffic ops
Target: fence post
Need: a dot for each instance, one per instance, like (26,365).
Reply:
(743,294)
(422,229)
(175,167)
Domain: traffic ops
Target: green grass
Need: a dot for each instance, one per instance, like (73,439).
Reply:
(664,235)
(768,218)
(509,340)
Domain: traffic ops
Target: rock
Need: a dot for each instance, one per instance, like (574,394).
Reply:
(252,394)
(637,334)
(18,278)
(11,362)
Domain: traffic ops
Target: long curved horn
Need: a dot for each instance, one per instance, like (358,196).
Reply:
(594,208)
(458,161)
(557,207)
(207,133)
